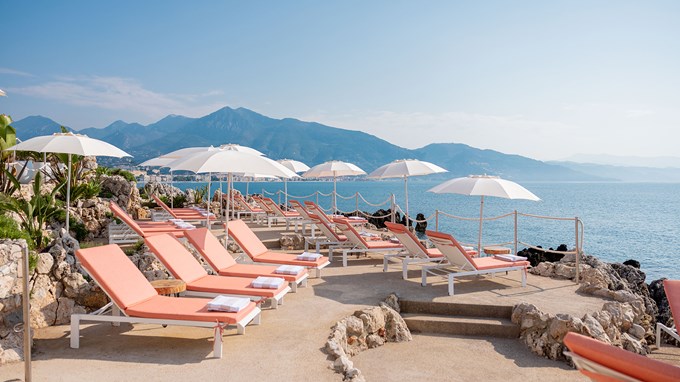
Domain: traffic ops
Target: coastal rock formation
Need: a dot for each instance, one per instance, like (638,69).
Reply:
(125,194)
(292,241)
(365,329)
(537,256)
(94,214)
(162,189)
(619,324)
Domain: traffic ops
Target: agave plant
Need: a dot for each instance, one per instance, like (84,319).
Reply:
(35,212)
(200,193)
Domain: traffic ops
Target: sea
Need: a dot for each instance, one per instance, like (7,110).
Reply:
(621,221)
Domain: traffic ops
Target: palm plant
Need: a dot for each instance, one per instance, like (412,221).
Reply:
(200,193)
(35,212)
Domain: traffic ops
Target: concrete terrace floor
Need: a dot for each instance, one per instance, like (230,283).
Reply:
(287,345)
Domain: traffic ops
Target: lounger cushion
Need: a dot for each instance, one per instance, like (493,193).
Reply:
(190,309)
(231,285)
(672,288)
(246,238)
(210,248)
(285,258)
(116,274)
(482,263)
(379,244)
(176,258)
(625,362)
(254,270)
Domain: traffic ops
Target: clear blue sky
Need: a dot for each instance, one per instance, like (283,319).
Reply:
(545,79)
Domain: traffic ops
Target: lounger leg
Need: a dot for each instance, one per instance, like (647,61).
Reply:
(304,283)
(318,273)
(404,269)
(115,312)
(217,346)
(423,277)
(241,328)
(450,284)
(524,278)
(75,331)
(273,303)
(385,263)
(658,336)
(293,286)
(344,258)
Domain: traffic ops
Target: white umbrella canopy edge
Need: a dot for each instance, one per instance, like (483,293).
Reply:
(404,168)
(295,166)
(484,185)
(334,169)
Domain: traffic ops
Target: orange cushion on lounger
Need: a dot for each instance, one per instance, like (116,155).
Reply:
(231,285)
(123,282)
(280,258)
(246,238)
(210,248)
(179,261)
(190,309)
(482,263)
(622,361)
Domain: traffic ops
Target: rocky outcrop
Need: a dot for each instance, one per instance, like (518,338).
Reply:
(619,324)
(537,256)
(292,241)
(365,329)
(125,194)
(162,189)
(11,281)
(94,214)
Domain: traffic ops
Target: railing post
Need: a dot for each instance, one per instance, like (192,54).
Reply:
(515,232)
(317,197)
(278,192)
(436,220)
(578,249)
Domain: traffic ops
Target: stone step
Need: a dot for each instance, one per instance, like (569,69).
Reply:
(461,325)
(455,309)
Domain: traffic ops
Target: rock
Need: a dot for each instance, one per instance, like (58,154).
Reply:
(374,340)
(637,331)
(565,271)
(396,329)
(355,326)
(373,319)
(65,308)
(45,263)
(342,364)
(631,344)
(292,241)
(632,263)
(393,302)
(421,225)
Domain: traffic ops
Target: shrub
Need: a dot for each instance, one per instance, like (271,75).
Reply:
(9,229)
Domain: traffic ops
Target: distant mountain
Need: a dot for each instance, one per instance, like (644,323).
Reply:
(309,142)
(35,126)
(625,173)
(621,160)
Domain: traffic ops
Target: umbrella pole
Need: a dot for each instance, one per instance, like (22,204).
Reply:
(226,221)
(207,215)
(172,198)
(481,219)
(408,222)
(247,183)
(68,193)
(27,319)
(335,194)
(221,199)
(285,192)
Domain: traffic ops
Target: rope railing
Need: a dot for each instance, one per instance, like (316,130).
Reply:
(474,219)
(389,199)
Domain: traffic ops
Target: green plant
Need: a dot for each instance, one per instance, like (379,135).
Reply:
(9,229)
(102,170)
(200,194)
(32,262)
(8,138)
(134,248)
(76,227)
(35,212)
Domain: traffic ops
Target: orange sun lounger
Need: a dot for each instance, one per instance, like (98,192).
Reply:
(359,244)
(415,251)
(330,237)
(253,247)
(672,288)
(221,260)
(316,210)
(247,209)
(461,263)
(133,296)
(146,229)
(182,213)
(183,266)
(605,363)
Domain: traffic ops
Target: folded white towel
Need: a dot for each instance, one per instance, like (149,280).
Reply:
(468,249)
(267,282)
(289,270)
(185,225)
(307,256)
(356,218)
(228,304)
(175,220)
(510,257)
(367,234)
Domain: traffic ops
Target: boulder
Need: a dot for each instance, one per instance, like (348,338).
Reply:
(292,241)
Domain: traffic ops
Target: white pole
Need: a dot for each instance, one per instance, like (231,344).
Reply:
(226,220)
(408,223)
(335,194)
(247,183)
(26,300)
(285,191)
(481,217)
(172,198)
(68,193)
(221,198)
(207,217)
(230,195)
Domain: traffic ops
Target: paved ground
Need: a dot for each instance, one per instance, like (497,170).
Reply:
(287,346)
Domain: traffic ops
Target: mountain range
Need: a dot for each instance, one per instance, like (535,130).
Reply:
(309,142)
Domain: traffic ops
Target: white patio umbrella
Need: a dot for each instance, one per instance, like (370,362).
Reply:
(230,162)
(2,93)
(249,176)
(334,169)
(70,143)
(484,185)
(294,166)
(403,168)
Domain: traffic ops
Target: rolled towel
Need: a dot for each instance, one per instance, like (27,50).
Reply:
(293,270)
(367,234)
(228,304)
(306,256)
(267,282)
(510,257)
(356,218)
(184,225)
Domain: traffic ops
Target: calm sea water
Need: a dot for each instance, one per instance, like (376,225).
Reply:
(622,220)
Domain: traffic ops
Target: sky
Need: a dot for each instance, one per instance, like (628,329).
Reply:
(543,79)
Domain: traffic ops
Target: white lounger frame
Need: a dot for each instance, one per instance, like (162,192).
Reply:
(450,274)
(589,365)
(672,331)
(358,250)
(115,318)
(122,234)
(406,260)
(316,269)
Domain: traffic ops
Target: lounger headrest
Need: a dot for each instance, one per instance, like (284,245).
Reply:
(622,361)
(116,274)
(210,248)
(127,219)
(246,238)
(176,258)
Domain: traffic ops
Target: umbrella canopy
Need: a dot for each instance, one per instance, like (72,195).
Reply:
(70,143)
(484,185)
(334,169)
(245,149)
(403,168)
(294,166)
(2,93)
(230,162)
